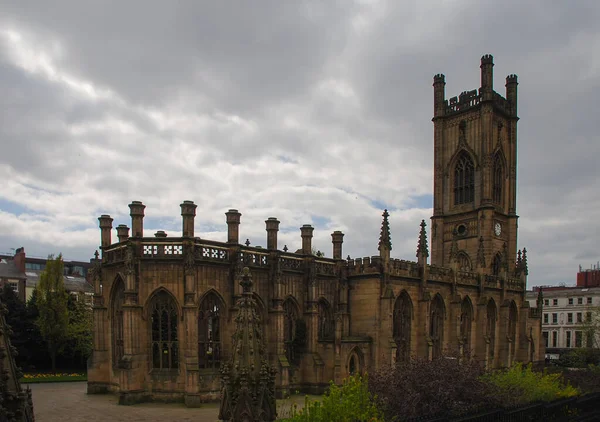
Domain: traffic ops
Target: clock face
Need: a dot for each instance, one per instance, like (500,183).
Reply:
(497,229)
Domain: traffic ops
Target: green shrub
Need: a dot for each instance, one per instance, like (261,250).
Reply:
(521,384)
(346,403)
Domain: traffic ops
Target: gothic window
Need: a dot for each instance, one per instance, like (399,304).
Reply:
(326,321)
(117,321)
(209,332)
(498,179)
(402,325)
(464,263)
(464,180)
(490,329)
(354,363)
(512,322)
(163,322)
(466,317)
(497,265)
(436,326)
(290,317)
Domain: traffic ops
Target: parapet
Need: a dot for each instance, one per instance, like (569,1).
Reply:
(439,79)
(487,59)
(511,79)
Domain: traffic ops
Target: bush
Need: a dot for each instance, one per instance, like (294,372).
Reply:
(446,386)
(580,358)
(586,380)
(521,385)
(349,402)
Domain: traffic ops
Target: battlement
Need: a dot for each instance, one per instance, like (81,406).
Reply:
(439,79)
(466,100)
(487,59)
(511,79)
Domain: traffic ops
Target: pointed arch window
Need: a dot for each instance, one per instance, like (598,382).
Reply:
(498,179)
(464,262)
(117,322)
(497,265)
(464,180)
(209,332)
(436,326)
(466,318)
(163,323)
(490,330)
(290,319)
(402,327)
(326,321)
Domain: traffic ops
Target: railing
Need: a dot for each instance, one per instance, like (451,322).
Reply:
(465,100)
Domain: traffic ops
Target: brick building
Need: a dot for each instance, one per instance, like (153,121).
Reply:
(164,307)
(12,272)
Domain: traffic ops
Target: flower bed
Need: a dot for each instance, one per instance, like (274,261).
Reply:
(57,377)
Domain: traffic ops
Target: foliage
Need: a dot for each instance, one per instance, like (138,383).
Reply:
(520,384)
(52,377)
(580,358)
(586,380)
(448,385)
(53,318)
(80,328)
(591,327)
(349,402)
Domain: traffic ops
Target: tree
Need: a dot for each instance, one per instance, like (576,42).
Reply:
(53,318)
(16,318)
(80,328)
(591,328)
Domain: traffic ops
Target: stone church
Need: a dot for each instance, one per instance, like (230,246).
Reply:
(164,307)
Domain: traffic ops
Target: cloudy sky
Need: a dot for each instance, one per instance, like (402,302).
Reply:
(310,111)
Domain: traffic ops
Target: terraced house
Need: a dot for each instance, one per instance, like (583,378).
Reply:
(164,307)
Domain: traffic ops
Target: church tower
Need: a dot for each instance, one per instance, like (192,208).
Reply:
(474,223)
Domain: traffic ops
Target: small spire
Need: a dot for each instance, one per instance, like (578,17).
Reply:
(519,259)
(422,248)
(385,238)
(247,242)
(524,262)
(96,255)
(285,248)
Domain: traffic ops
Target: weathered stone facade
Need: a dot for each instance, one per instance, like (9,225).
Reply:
(164,308)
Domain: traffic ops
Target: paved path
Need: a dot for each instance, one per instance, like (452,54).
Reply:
(68,402)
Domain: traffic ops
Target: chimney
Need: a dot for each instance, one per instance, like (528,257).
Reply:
(105,228)
(306,232)
(188,212)
(20,259)
(233,226)
(122,232)
(272,228)
(136,211)
(337,238)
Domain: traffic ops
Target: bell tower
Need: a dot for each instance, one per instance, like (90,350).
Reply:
(474,223)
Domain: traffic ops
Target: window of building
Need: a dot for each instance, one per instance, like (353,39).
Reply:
(33,266)
(555,302)
(579,317)
(588,317)
(163,324)
(554,318)
(209,332)
(589,300)
(570,318)
(14,285)
(464,180)
(326,322)
(545,335)
(568,339)
(546,302)
(554,338)
(578,338)
(545,318)
(580,301)
(570,301)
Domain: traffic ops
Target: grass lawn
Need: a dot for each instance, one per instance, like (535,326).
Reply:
(64,377)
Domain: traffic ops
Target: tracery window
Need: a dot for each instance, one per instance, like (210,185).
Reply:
(355,362)
(464,180)
(209,332)
(490,329)
(466,318)
(290,316)
(464,263)
(497,265)
(402,325)
(436,326)
(163,323)
(117,322)
(326,321)
(498,179)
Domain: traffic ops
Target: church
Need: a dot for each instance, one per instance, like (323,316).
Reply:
(164,307)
